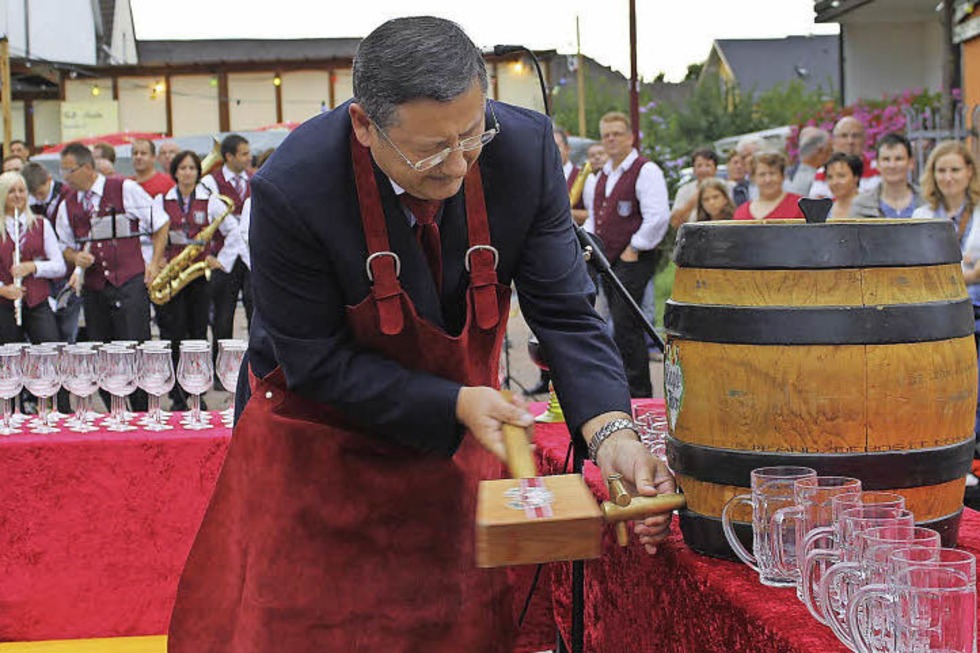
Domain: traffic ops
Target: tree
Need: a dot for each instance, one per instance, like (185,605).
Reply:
(693,71)
(601,96)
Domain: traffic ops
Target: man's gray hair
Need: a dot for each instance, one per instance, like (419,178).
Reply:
(750,141)
(811,140)
(420,57)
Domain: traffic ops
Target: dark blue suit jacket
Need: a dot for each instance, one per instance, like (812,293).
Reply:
(308,254)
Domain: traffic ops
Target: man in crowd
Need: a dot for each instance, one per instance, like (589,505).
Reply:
(738,178)
(117,306)
(705,162)
(343,516)
(895,196)
(104,155)
(747,148)
(166,153)
(849,137)
(579,212)
(19,148)
(629,211)
(13,163)
(152,180)
(232,180)
(815,149)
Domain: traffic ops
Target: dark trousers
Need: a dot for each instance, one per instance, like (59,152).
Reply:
(628,331)
(38,324)
(185,317)
(67,317)
(225,287)
(121,313)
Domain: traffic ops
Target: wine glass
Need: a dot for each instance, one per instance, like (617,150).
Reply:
(81,378)
(11,383)
(230,354)
(119,380)
(42,380)
(195,373)
(156,377)
(55,415)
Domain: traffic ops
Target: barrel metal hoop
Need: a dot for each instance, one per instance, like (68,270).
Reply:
(823,325)
(884,470)
(870,244)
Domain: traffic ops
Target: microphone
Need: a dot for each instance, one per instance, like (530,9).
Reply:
(501,50)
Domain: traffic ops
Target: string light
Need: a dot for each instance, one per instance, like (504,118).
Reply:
(277,81)
(96,90)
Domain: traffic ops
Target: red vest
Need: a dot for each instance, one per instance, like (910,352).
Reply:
(225,188)
(116,261)
(31,249)
(618,216)
(190,224)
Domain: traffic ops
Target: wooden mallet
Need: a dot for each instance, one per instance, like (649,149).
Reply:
(529,518)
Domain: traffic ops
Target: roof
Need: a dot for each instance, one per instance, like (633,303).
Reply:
(244,50)
(760,64)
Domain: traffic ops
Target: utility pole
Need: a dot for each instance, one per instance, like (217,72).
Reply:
(634,79)
(580,82)
(5,92)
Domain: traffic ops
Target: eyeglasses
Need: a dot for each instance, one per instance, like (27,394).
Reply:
(465,145)
(65,171)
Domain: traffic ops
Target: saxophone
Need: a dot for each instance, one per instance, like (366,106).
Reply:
(180,270)
(575,192)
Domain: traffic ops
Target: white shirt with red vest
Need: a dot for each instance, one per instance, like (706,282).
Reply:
(229,226)
(137,205)
(52,266)
(870,178)
(237,248)
(651,193)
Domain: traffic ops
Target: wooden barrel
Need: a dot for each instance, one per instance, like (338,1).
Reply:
(846,347)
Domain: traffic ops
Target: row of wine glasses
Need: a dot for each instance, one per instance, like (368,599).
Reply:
(118,368)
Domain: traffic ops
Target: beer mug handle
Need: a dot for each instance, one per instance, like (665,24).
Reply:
(858,606)
(733,541)
(810,598)
(815,536)
(836,576)
(778,524)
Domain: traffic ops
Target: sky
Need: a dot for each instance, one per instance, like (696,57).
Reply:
(670,33)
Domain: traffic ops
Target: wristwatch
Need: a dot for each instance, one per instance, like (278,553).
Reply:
(608,429)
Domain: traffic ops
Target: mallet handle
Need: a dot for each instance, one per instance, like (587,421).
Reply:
(643,507)
(520,460)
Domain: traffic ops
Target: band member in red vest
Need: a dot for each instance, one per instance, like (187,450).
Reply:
(40,261)
(111,270)
(630,213)
(231,180)
(386,235)
(191,207)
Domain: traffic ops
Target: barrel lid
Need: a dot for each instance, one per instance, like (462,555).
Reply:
(798,245)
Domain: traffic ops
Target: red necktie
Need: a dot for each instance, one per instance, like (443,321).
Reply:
(428,232)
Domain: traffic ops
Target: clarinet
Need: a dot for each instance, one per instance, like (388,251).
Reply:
(18,303)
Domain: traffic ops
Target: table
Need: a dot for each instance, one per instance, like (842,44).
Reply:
(95,528)
(680,601)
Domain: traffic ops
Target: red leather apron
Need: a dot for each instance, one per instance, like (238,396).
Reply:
(322,538)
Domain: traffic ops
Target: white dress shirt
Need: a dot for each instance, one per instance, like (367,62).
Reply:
(244,221)
(137,204)
(238,247)
(52,268)
(229,227)
(651,193)
(567,169)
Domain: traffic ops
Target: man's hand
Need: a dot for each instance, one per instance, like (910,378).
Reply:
(629,255)
(75,282)
(643,474)
(483,409)
(23,269)
(152,270)
(84,259)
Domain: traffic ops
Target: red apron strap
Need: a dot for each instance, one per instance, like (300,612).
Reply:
(481,258)
(382,265)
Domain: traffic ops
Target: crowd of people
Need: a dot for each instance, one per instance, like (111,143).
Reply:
(91,243)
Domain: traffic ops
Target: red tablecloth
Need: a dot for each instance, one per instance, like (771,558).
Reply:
(679,600)
(95,528)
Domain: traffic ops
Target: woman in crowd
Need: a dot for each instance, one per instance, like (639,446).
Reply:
(40,261)
(714,202)
(951,189)
(768,174)
(191,207)
(843,177)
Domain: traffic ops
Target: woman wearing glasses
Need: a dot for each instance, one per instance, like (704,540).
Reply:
(385,236)
(40,261)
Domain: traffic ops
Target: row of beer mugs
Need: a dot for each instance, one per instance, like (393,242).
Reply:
(858,562)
